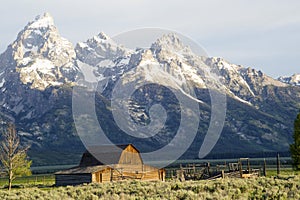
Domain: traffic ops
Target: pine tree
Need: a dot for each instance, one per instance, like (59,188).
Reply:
(12,156)
(295,147)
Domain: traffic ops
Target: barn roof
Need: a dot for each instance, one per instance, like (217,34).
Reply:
(83,170)
(103,155)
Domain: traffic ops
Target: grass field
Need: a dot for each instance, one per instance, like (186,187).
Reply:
(283,172)
(41,180)
(286,186)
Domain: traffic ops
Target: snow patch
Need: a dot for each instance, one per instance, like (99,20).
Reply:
(106,64)
(192,74)
(2,82)
(25,61)
(21,133)
(240,99)
(41,65)
(41,74)
(89,73)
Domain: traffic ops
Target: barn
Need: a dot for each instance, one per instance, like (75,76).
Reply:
(108,163)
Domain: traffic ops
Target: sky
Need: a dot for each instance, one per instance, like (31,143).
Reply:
(261,34)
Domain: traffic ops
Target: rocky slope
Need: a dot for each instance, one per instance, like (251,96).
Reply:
(40,68)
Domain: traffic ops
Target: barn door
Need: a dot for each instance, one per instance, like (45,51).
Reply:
(98,177)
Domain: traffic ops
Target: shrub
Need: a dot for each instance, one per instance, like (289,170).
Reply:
(259,188)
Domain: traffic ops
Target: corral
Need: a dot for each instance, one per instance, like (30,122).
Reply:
(200,171)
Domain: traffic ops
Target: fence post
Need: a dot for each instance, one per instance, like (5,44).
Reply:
(264,168)
(240,168)
(278,164)
(208,168)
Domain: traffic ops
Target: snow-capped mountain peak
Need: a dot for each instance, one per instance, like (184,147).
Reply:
(171,43)
(42,58)
(99,48)
(171,39)
(103,36)
(169,55)
(42,21)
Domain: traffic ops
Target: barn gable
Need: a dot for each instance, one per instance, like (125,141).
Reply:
(130,156)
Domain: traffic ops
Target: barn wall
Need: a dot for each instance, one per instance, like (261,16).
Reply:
(128,167)
(143,172)
(151,175)
(96,177)
(102,176)
(72,179)
(106,176)
(130,156)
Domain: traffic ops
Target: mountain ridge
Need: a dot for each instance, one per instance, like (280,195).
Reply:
(292,80)
(40,68)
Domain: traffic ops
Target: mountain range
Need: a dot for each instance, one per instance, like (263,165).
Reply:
(40,68)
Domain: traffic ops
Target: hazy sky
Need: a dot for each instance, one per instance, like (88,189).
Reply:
(263,34)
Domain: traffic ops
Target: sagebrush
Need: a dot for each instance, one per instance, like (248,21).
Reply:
(259,188)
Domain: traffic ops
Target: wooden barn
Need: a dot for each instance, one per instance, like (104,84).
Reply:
(109,163)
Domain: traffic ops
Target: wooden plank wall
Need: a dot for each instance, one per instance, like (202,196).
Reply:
(142,172)
(130,156)
(102,176)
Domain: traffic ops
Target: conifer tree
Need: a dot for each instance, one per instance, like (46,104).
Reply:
(295,147)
